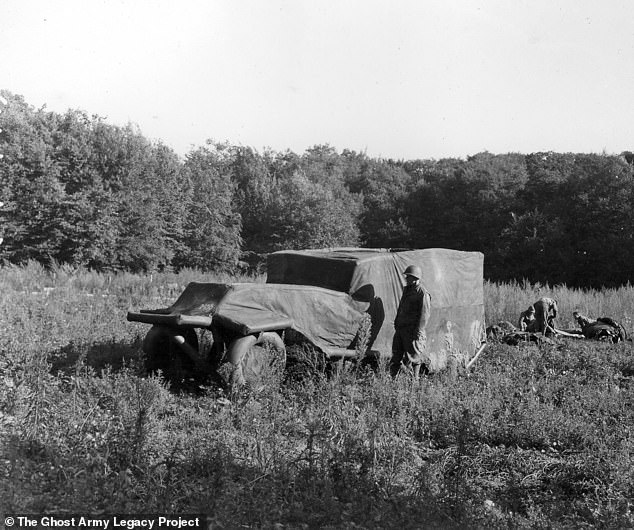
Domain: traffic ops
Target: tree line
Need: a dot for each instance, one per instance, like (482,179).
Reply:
(77,190)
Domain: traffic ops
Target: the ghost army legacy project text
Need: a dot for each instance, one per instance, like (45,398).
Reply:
(105,522)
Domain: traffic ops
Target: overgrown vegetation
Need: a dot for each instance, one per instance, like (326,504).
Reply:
(532,437)
(77,190)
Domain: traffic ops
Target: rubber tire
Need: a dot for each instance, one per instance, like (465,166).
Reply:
(161,353)
(253,356)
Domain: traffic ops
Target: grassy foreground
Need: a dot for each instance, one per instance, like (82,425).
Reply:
(532,437)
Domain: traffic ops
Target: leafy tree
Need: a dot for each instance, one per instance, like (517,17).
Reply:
(255,188)
(83,192)
(212,226)
(576,226)
(287,201)
(88,221)
(600,221)
(385,187)
(305,214)
(32,192)
(322,164)
(465,204)
(548,177)
(534,246)
(78,190)
(147,195)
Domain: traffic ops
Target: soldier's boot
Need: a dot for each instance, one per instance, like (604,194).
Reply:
(395,368)
(416,371)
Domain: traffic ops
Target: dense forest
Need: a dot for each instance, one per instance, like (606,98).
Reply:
(75,189)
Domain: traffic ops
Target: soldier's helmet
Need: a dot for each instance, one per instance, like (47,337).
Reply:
(415,271)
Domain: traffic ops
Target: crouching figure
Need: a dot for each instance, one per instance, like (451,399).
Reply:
(603,328)
(545,314)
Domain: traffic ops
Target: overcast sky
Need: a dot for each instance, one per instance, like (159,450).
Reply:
(396,79)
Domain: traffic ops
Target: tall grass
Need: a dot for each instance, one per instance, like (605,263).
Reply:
(533,437)
(505,301)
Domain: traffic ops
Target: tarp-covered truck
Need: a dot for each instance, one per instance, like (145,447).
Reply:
(322,296)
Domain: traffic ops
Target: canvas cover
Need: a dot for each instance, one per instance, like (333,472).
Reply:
(453,278)
(324,294)
(329,319)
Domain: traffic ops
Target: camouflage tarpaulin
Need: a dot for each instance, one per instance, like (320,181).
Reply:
(323,294)
(453,278)
(327,318)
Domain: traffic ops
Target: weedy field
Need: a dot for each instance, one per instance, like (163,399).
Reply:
(531,437)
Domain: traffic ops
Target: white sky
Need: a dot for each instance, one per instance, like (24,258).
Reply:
(396,79)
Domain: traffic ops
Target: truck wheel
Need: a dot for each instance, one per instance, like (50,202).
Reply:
(255,357)
(163,353)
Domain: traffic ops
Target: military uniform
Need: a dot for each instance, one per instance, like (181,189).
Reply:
(526,321)
(545,313)
(583,320)
(408,345)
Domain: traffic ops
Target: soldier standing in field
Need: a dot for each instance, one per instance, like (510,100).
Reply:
(545,314)
(413,312)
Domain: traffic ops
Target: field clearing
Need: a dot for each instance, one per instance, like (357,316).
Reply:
(532,437)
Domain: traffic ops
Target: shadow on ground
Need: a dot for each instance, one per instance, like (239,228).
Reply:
(97,355)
